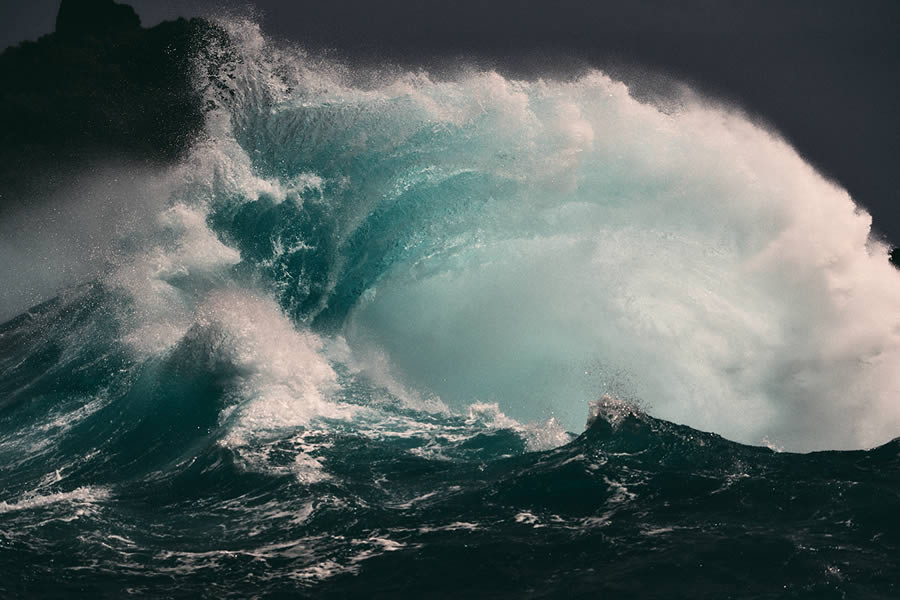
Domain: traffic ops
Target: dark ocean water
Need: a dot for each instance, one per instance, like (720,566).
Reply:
(354,352)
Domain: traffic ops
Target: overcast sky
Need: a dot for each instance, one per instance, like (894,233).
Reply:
(825,73)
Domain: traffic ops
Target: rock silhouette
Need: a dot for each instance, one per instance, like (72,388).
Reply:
(99,86)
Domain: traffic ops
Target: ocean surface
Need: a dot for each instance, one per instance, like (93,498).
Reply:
(391,334)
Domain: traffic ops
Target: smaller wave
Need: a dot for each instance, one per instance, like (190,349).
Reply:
(537,436)
(610,409)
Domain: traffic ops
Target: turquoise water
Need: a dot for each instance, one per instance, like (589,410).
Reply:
(353,352)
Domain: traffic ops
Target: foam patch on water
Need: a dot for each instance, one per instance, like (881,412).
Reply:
(81,496)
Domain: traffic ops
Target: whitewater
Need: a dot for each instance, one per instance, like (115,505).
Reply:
(363,323)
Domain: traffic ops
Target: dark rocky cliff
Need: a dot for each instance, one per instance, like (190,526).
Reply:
(100,86)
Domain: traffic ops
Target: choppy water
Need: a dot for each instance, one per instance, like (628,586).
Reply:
(345,355)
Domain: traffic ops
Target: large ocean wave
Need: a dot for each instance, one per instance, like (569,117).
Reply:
(534,244)
(369,309)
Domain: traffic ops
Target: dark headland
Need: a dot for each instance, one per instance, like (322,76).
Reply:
(99,86)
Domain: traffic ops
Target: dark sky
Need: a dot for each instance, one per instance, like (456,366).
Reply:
(825,73)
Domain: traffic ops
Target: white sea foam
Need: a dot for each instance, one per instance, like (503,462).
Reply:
(82,496)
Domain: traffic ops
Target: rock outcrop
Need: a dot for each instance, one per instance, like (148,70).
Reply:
(94,17)
(100,86)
